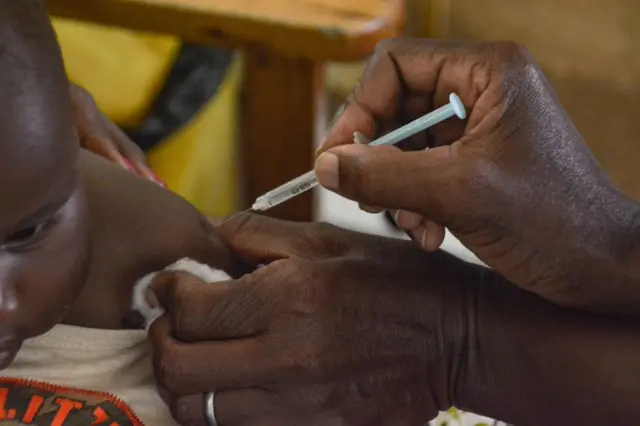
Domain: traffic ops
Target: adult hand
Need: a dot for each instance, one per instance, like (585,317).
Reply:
(99,135)
(515,183)
(346,329)
(338,328)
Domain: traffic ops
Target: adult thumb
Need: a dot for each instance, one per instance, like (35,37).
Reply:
(388,177)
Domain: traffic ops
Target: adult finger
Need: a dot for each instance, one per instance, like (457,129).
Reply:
(433,236)
(188,410)
(260,239)
(401,416)
(385,176)
(407,220)
(202,311)
(427,234)
(191,368)
(231,408)
(404,66)
(359,138)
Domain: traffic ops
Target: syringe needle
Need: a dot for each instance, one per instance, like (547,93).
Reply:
(234,216)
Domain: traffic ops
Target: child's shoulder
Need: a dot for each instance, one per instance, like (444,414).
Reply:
(139,227)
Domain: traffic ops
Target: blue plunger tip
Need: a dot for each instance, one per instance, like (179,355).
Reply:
(458,106)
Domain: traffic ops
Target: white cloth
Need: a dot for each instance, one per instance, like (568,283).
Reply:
(140,301)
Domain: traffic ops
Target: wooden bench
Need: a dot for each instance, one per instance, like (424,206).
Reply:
(286,45)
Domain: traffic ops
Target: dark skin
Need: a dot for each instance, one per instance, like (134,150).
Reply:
(515,182)
(100,136)
(279,343)
(344,328)
(153,237)
(74,234)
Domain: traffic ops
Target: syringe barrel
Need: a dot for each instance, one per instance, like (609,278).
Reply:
(415,126)
(286,191)
(308,181)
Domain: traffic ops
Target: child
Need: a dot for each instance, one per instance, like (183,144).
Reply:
(75,234)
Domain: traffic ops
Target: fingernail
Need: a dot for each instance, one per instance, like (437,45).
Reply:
(396,216)
(435,236)
(332,124)
(361,139)
(424,239)
(327,171)
(159,181)
(408,220)
(128,164)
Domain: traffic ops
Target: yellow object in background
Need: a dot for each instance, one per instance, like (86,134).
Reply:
(124,71)
(200,162)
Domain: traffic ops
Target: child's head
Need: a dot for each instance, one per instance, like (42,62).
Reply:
(44,245)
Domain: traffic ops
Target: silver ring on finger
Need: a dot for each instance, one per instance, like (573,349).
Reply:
(210,409)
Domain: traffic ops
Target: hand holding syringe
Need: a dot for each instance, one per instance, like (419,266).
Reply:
(309,181)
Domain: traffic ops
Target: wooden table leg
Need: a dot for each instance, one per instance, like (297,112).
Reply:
(282,110)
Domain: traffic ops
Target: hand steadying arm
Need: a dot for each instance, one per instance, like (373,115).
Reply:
(354,329)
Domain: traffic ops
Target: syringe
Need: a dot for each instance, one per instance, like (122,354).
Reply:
(308,181)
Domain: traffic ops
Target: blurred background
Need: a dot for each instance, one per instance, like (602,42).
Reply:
(228,97)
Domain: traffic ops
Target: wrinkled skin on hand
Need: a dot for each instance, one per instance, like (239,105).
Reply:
(515,182)
(344,329)
(338,328)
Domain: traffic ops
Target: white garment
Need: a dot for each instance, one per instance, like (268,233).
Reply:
(117,362)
